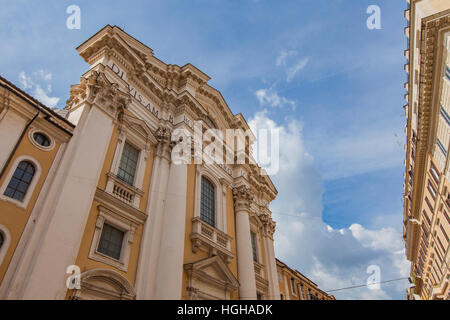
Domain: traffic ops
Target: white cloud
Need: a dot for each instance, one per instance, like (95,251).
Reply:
(292,71)
(43,97)
(25,81)
(283,56)
(44,75)
(270,97)
(33,84)
(333,258)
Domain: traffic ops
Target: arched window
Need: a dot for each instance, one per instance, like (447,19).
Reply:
(20,181)
(1,239)
(207,207)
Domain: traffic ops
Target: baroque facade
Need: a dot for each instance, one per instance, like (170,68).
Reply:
(93,205)
(426,219)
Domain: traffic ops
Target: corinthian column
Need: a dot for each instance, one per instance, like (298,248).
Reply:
(271,266)
(151,239)
(246,269)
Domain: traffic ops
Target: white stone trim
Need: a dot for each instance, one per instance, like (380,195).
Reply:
(127,135)
(6,242)
(37,145)
(121,223)
(38,170)
(91,286)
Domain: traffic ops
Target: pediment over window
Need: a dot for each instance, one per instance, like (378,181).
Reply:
(210,279)
(104,284)
(140,128)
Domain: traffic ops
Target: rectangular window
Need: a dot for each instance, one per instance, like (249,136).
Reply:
(111,241)
(128,164)
(294,290)
(432,190)
(254,247)
(444,233)
(302,291)
(445,115)
(434,173)
(441,146)
(447,72)
(207,205)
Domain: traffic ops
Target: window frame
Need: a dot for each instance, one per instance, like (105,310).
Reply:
(136,169)
(214,205)
(213,175)
(254,241)
(293,287)
(128,227)
(37,145)
(31,187)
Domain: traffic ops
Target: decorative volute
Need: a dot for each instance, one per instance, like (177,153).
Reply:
(96,89)
(164,146)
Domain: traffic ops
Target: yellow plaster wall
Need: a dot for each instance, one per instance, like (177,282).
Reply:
(13,217)
(83,260)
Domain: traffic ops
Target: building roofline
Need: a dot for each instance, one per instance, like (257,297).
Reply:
(8,85)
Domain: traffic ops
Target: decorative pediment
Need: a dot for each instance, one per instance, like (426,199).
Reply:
(214,272)
(104,284)
(139,127)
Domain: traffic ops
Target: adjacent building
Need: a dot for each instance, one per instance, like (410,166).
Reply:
(295,286)
(426,215)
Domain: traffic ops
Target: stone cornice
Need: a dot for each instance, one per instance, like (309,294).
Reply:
(429,44)
(171,87)
(95,88)
(431,30)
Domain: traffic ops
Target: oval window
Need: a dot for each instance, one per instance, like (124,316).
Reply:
(41,139)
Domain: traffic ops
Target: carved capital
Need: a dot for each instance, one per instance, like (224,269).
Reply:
(96,89)
(242,198)
(164,145)
(268,224)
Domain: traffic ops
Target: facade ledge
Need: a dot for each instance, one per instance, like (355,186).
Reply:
(123,191)
(211,240)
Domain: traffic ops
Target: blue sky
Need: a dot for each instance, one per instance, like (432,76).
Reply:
(310,68)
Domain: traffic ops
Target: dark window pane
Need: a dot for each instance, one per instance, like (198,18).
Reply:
(128,164)
(255,252)
(41,139)
(207,207)
(1,240)
(111,241)
(20,181)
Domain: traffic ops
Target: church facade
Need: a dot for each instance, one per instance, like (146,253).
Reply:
(95,206)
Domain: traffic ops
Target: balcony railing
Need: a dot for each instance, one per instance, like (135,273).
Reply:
(207,238)
(259,269)
(123,191)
